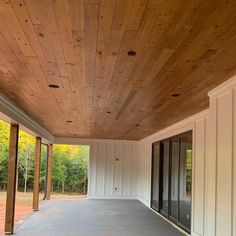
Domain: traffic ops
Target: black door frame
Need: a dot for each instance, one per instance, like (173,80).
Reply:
(169,179)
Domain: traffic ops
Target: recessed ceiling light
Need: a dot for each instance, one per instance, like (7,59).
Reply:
(69,121)
(53,86)
(131,53)
(175,95)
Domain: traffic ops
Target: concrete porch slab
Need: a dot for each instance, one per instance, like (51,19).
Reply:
(95,218)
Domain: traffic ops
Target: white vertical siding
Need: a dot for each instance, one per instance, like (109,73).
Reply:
(199,176)
(200,142)
(214,163)
(222,156)
(234,165)
(224,165)
(126,173)
(113,169)
(210,173)
(134,170)
(100,169)
(109,168)
(198,125)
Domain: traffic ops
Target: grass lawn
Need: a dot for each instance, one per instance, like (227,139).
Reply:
(24,204)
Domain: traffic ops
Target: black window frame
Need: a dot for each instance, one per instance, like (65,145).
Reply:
(178,136)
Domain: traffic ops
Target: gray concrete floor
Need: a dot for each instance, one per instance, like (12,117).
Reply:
(95,218)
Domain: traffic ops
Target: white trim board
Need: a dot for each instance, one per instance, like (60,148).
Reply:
(227,85)
(177,128)
(13,114)
(82,141)
(94,197)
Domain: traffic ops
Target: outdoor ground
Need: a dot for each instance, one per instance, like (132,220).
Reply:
(96,218)
(24,205)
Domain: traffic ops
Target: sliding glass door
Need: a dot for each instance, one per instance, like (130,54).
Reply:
(174,185)
(185,181)
(172,179)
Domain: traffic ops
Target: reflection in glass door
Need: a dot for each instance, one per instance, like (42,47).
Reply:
(174,186)
(172,172)
(185,181)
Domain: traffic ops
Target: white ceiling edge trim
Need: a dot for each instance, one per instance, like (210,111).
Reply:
(11,113)
(179,127)
(81,141)
(230,83)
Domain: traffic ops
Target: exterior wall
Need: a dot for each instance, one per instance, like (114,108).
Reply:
(214,163)
(113,169)
(220,194)
(197,124)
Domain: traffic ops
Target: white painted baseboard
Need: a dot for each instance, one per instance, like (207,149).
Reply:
(146,203)
(111,197)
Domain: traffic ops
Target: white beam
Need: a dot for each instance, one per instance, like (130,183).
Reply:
(11,113)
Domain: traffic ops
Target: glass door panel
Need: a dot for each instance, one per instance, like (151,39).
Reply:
(172,179)
(185,181)
(155,175)
(174,185)
(164,174)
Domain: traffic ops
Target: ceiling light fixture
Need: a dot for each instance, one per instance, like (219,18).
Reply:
(53,86)
(131,53)
(175,95)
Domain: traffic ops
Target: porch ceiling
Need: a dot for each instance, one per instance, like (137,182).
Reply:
(125,68)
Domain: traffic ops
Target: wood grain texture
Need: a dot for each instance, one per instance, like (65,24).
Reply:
(11,180)
(184,48)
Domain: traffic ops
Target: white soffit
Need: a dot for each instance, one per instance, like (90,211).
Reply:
(11,113)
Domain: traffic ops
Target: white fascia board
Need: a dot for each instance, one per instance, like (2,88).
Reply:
(227,85)
(82,141)
(11,113)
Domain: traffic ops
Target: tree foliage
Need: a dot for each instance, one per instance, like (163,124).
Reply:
(69,169)
(4,143)
(69,164)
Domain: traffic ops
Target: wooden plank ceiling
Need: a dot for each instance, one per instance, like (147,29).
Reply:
(125,68)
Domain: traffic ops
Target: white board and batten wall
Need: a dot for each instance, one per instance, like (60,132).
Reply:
(113,169)
(197,124)
(214,163)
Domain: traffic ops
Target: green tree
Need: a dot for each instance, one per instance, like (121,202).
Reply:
(26,154)
(69,170)
(4,144)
